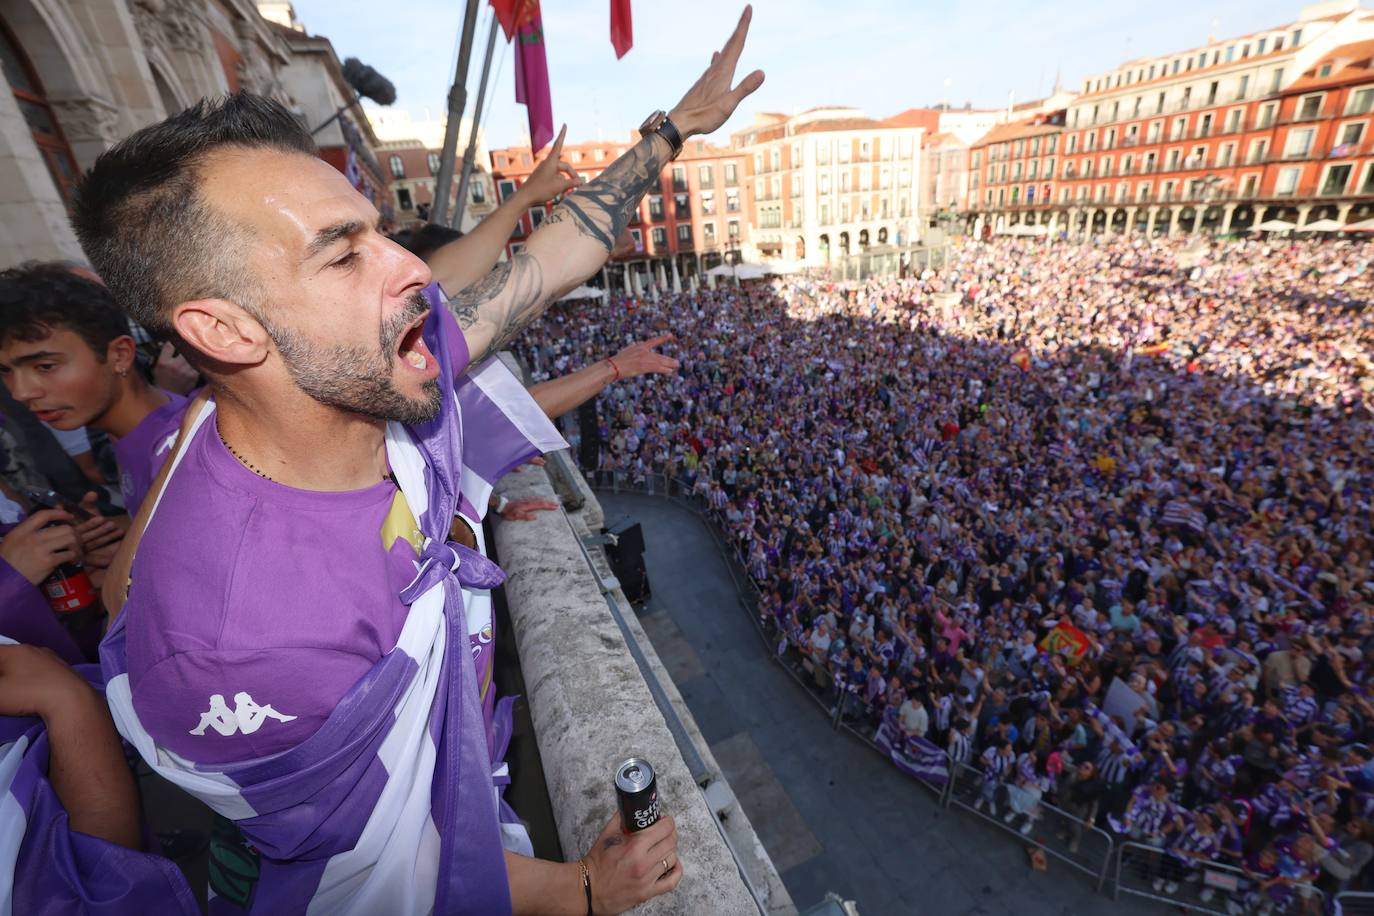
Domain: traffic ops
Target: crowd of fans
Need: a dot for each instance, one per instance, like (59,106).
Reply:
(979,500)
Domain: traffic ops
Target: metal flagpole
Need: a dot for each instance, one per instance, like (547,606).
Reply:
(457,100)
(460,204)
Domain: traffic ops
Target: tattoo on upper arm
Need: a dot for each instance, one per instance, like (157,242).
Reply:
(602,207)
(465,303)
(506,300)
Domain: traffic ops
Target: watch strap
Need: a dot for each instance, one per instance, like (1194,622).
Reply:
(668,131)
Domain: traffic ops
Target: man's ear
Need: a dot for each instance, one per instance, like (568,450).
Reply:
(223,331)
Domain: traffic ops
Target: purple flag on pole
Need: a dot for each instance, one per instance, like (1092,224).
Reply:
(532,81)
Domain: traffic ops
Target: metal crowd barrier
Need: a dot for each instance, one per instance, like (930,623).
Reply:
(1353,903)
(1053,830)
(897,757)
(1082,846)
(1206,887)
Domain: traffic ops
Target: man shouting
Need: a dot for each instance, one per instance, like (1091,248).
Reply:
(297,550)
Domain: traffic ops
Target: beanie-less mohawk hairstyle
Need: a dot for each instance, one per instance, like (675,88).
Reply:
(143,222)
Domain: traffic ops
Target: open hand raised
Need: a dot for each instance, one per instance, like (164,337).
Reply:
(713,98)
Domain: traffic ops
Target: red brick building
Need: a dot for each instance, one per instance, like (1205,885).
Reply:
(1322,165)
(413,173)
(696,217)
(1215,139)
(1012,172)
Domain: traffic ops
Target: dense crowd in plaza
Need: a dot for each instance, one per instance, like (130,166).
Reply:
(1135,472)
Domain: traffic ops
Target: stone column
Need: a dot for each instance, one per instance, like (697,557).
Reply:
(33,219)
(91,125)
(1303,210)
(1227,212)
(126,86)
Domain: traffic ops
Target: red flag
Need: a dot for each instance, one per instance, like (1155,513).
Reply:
(512,14)
(622,30)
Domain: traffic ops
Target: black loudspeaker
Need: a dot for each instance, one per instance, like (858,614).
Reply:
(627,559)
(589,451)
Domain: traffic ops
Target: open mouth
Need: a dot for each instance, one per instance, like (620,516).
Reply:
(411,346)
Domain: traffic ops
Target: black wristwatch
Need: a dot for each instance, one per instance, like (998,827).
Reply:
(659,123)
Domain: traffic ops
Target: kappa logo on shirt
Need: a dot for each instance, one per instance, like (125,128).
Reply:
(246,717)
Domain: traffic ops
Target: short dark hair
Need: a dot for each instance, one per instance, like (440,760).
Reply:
(39,298)
(426,240)
(143,222)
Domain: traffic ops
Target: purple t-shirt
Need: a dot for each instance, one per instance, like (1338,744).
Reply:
(140,454)
(255,607)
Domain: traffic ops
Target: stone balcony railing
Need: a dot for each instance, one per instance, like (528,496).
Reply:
(598,693)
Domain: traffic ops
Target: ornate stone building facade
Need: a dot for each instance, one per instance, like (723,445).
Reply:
(78,75)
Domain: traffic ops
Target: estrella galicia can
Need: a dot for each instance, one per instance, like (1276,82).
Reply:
(636,789)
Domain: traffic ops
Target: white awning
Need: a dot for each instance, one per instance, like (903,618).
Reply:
(583,292)
(1323,225)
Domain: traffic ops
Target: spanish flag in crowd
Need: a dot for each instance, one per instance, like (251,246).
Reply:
(1067,640)
(1155,349)
(1021,358)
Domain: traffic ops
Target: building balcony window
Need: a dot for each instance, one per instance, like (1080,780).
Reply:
(1337,177)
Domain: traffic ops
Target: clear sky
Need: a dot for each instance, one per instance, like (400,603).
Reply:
(879,55)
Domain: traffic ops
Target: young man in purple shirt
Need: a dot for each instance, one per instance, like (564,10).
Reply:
(67,355)
(293,649)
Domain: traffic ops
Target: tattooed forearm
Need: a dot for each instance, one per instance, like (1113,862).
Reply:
(556,258)
(467,303)
(502,303)
(602,207)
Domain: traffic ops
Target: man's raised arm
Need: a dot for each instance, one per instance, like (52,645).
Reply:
(574,242)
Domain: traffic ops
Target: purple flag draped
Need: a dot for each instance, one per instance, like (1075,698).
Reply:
(392,805)
(916,757)
(46,867)
(532,81)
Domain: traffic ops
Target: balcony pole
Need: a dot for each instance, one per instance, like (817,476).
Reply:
(470,153)
(457,101)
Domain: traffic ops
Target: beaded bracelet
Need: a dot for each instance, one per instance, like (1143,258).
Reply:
(586,884)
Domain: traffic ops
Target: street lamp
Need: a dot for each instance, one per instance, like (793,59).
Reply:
(734,251)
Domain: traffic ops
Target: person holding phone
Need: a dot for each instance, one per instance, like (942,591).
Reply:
(31,547)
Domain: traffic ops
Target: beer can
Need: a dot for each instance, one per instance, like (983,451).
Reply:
(636,789)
